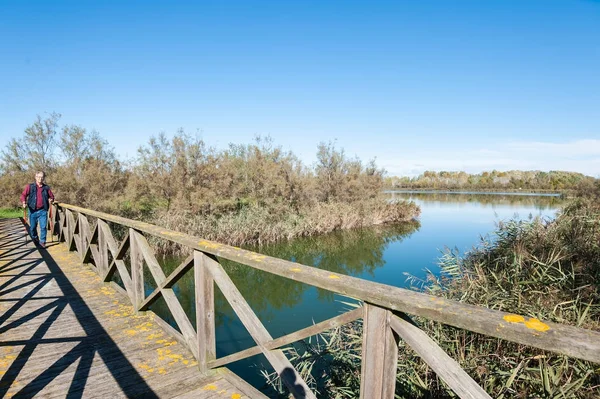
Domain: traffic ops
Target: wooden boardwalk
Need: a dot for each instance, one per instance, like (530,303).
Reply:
(63,333)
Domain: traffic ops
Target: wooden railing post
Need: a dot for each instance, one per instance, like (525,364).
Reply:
(205,311)
(68,228)
(55,222)
(137,271)
(84,236)
(78,233)
(379,354)
(381,327)
(102,246)
(72,228)
(60,216)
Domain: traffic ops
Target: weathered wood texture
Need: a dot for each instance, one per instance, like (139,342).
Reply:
(379,354)
(444,366)
(290,377)
(382,329)
(571,341)
(63,332)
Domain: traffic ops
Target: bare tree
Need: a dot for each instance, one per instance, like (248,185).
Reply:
(36,149)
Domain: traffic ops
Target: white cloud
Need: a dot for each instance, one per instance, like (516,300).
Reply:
(576,156)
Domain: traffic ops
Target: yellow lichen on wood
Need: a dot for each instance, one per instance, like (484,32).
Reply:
(532,323)
(209,244)
(333,276)
(236,396)
(296,269)
(514,318)
(537,325)
(210,387)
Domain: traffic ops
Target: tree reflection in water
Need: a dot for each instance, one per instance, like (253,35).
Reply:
(353,252)
(538,201)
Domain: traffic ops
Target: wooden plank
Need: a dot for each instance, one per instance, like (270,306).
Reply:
(102,245)
(379,355)
(205,311)
(137,273)
(88,240)
(34,364)
(443,365)
(169,282)
(239,383)
(71,231)
(181,318)
(56,225)
(117,263)
(150,299)
(568,340)
(84,236)
(61,224)
(259,333)
(117,250)
(62,215)
(125,278)
(77,233)
(173,333)
(176,274)
(290,338)
(148,254)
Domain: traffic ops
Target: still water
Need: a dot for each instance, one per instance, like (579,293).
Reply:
(382,254)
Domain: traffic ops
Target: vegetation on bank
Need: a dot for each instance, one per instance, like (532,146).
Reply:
(514,180)
(545,269)
(246,193)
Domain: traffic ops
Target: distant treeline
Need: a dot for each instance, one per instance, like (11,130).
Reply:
(246,193)
(557,181)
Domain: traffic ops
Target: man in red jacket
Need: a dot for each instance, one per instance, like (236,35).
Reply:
(38,197)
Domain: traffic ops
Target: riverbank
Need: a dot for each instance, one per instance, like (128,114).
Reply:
(525,180)
(262,225)
(479,191)
(545,269)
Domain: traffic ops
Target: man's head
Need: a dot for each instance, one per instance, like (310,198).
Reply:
(39,178)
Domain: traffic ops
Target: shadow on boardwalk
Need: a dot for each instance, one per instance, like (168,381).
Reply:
(34,292)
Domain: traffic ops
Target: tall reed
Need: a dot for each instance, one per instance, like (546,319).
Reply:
(260,224)
(548,269)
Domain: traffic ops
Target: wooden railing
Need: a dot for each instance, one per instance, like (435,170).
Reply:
(385,311)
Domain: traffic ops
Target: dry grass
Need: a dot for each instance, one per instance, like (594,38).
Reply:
(544,269)
(259,225)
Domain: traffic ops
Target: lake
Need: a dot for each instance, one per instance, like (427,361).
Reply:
(385,254)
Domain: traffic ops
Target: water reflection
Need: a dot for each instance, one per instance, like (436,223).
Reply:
(537,201)
(355,253)
(381,254)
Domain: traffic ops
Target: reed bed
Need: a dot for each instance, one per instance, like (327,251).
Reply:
(548,269)
(260,225)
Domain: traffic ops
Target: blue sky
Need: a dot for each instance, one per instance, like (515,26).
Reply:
(438,85)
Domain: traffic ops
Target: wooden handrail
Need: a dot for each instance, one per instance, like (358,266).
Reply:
(381,302)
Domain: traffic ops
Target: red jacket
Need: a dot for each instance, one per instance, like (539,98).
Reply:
(38,196)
